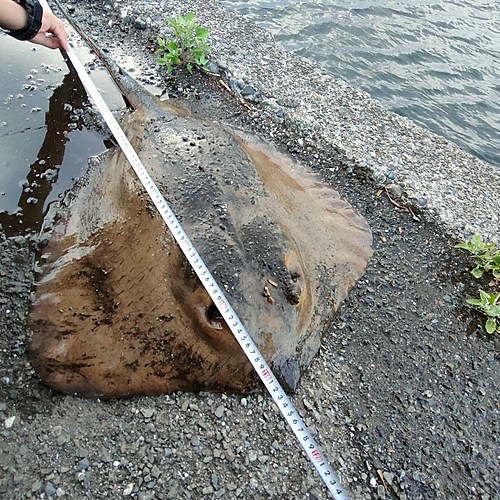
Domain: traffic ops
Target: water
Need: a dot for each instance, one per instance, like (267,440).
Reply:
(44,141)
(437,63)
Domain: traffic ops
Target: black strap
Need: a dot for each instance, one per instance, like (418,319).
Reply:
(34,22)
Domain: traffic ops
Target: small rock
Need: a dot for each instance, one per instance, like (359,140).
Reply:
(128,490)
(233,84)
(50,490)
(56,431)
(381,492)
(219,412)
(140,24)
(148,412)
(36,486)
(82,464)
(247,90)
(105,456)
(395,190)
(195,441)
(9,422)
(389,477)
(213,68)
(62,439)
(155,472)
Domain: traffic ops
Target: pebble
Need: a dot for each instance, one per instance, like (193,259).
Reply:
(381,492)
(105,456)
(56,431)
(140,24)
(394,190)
(82,464)
(9,422)
(128,490)
(147,412)
(247,90)
(50,490)
(219,412)
(213,68)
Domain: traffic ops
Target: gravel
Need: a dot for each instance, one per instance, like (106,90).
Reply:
(403,396)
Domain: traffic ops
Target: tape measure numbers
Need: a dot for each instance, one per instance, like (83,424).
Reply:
(249,348)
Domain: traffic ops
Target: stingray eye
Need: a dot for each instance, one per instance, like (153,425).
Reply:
(214,317)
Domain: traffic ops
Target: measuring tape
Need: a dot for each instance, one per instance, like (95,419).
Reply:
(249,348)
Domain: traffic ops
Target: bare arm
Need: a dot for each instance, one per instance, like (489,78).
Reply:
(14,17)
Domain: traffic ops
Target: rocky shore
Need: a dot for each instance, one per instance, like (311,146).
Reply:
(403,397)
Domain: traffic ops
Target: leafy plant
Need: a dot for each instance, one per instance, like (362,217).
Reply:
(489,304)
(487,258)
(189,47)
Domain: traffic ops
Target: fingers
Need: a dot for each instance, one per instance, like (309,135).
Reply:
(51,24)
(47,41)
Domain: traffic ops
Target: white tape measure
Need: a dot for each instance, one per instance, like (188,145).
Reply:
(249,348)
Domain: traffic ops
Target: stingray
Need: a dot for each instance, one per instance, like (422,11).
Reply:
(118,310)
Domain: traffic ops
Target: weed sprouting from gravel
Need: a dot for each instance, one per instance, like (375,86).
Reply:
(189,47)
(487,259)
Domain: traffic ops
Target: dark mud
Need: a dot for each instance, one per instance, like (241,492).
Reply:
(406,382)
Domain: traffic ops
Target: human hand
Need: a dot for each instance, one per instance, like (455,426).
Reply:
(54,26)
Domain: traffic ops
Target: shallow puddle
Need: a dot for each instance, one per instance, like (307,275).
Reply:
(44,136)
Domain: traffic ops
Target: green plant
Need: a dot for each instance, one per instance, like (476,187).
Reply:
(489,304)
(487,258)
(189,47)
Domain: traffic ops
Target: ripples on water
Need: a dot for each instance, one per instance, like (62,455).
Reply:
(437,63)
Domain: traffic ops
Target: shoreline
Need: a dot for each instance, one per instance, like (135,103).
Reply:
(405,382)
(454,188)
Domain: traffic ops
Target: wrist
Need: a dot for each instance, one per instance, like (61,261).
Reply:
(33,20)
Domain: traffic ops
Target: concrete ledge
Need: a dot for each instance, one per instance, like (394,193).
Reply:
(458,191)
